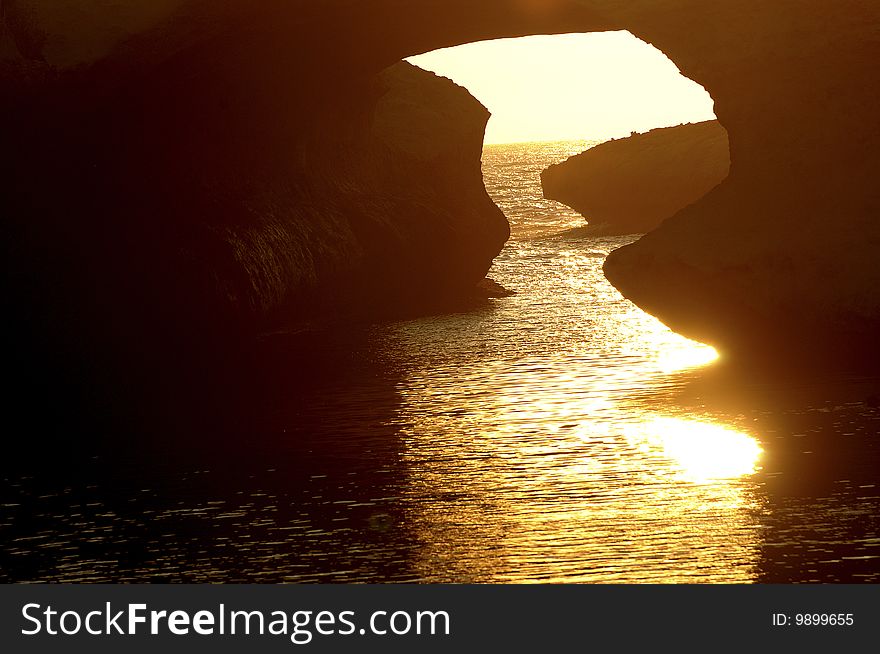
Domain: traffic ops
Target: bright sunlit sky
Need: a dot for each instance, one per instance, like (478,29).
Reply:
(573,86)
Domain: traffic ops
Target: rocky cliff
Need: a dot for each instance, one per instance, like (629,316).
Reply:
(259,212)
(631,185)
(776,266)
(158,219)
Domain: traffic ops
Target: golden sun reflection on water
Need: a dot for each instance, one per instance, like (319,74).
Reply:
(686,354)
(549,469)
(563,456)
(543,438)
(704,451)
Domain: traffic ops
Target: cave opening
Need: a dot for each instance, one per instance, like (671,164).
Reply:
(593,139)
(554,97)
(591,86)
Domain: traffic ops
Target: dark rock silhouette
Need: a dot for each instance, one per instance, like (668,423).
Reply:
(159,222)
(631,185)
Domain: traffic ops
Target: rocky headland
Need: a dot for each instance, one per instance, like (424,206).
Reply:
(631,185)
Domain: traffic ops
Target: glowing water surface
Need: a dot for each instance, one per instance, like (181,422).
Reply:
(553,467)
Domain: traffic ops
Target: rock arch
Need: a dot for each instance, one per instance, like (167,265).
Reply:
(785,242)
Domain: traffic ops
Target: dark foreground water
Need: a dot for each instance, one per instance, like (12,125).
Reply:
(557,435)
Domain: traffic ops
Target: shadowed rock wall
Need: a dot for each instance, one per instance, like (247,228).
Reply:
(776,265)
(158,218)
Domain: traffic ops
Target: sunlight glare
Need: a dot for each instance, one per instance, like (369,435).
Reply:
(685,355)
(704,451)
